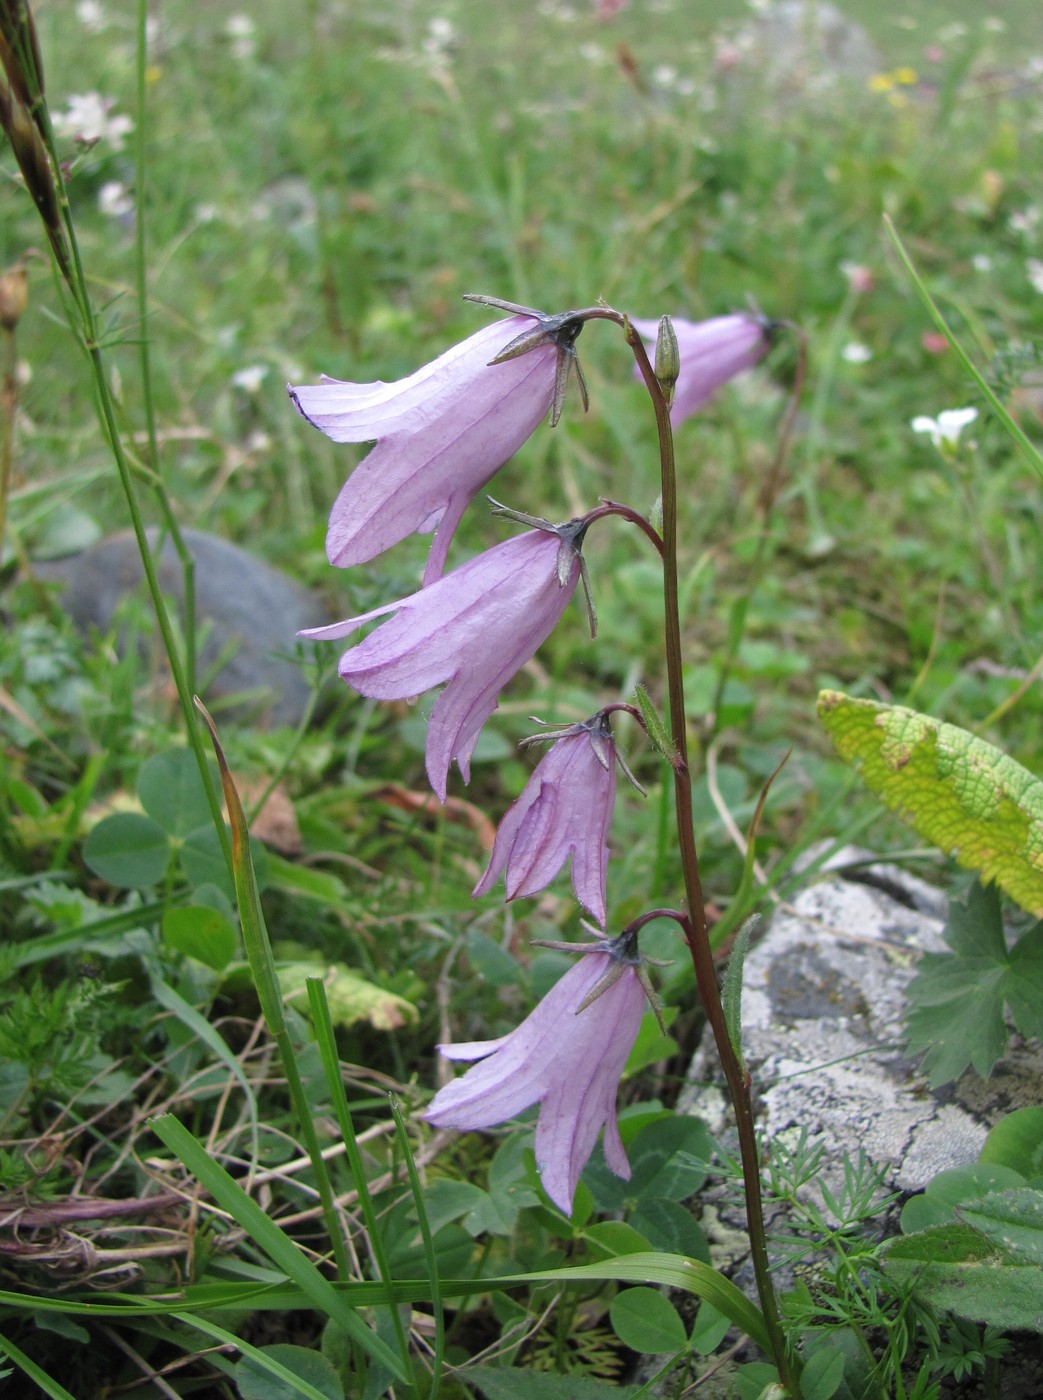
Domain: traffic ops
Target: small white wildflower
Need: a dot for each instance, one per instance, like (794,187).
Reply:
(594,54)
(945,430)
(250,379)
(856,354)
(664,75)
(87,119)
(981,262)
(1034,271)
(115,200)
(1025,220)
(91,16)
(258,441)
(242,33)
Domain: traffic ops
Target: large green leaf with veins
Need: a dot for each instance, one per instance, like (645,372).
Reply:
(964,795)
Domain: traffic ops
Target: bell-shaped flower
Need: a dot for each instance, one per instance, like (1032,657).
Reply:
(567,1056)
(712,352)
(441,434)
(564,810)
(469,631)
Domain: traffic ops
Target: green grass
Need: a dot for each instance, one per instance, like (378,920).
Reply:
(320,204)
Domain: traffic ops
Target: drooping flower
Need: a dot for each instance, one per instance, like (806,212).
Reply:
(712,352)
(565,809)
(945,430)
(567,1056)
(441,434)
(469,631)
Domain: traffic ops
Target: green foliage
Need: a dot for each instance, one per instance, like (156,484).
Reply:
(987,1265)
(957,1000)
(1016,1141)
(958,791)
(515,1384)
(644,1320)
(556,159)
(51,1048)
(312,1375)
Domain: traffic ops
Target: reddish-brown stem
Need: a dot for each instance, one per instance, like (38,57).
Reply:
(696,932)
(626,513)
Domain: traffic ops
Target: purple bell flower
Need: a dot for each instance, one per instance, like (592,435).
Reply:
(564,810)
(712,352)
(567,1056)
(469,631)
(441,435)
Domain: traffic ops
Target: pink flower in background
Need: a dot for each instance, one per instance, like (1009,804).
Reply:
(441,435)
(567,1056)
(565,810)
(469,631)
(859,278)
(934,342)
(712,352)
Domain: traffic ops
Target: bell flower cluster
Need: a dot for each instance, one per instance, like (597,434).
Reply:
(440,436)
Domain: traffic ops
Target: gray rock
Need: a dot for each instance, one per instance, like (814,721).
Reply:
(823,1026)
(247,617)
(823,1007)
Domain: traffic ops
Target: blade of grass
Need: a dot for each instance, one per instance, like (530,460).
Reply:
(262,968)
(258,1357)
(326,1040)
(204,1031)
(670,1270)
(87,937)
(278,1246)
(429,1249)
(43,1380)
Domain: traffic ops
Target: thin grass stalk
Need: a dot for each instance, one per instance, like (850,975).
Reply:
(262,968)
(8,408)
(429,1249)
(670,1270)
(260,1358)
(188,564)
(28,1367)
(327,1043)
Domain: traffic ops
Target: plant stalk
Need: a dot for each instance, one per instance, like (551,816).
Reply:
(696,932)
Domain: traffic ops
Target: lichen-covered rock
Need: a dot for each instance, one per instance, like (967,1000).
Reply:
(823,1035)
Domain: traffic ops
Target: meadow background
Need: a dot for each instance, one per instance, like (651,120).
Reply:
(320,193)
